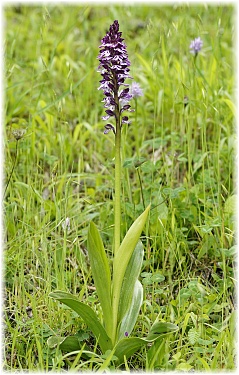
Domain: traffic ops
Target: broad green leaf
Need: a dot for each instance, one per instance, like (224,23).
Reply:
(88,315)
(101,273)
(131,275)
(129,320)
(68,344)
(128,346)
(121,260)
(161,328)
(53,341)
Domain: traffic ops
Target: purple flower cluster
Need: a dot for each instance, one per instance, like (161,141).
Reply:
(114,68)
(196,45)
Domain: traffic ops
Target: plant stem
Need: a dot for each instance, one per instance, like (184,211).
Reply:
(117,185)
(117,204)
(117,220)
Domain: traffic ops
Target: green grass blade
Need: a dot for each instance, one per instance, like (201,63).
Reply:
(101,273)
(107,361)
(66,93)
(88,315)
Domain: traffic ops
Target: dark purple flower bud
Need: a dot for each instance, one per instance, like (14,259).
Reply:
(108,128)
(125,107)
(124,93)
(114,68)
(125,120)
(196,46)
(109,112)
(125,96)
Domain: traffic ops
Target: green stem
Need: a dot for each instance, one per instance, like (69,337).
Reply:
(117,189)
(117,203)
(117,176)
(117,219)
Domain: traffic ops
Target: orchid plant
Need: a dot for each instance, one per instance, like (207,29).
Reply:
(119,291)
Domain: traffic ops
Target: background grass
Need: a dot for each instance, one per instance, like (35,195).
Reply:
(59,164)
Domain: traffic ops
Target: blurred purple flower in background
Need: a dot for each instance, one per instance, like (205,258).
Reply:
(196,45)
(135,90)
(114,68)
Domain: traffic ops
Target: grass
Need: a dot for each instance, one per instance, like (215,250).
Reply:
(59,164)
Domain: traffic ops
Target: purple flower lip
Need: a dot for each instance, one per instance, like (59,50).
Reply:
(196,45)
(114,68)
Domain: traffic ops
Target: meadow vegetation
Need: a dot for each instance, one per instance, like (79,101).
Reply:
(178,154)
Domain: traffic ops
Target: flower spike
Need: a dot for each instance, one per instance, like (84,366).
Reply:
(114,68)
